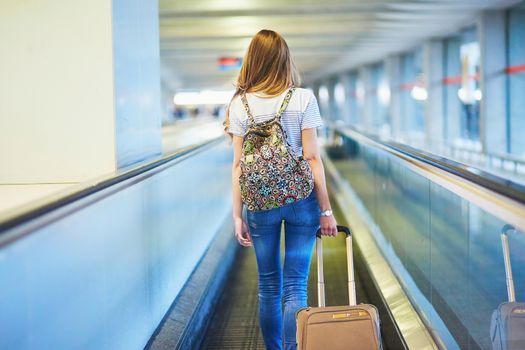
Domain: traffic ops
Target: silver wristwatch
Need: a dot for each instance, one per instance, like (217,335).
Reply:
(327,212)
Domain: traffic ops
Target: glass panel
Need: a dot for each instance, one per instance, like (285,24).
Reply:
(449,248)
(103,276)
(449,256)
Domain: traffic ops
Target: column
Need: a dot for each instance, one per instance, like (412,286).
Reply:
(393,71)
(368,108)
(324,100)
(452,70)
(332,103)
(80,88)
(433,70)
(344,107)
(493,113)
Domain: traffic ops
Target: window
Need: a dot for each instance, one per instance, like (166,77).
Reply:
(381,97)
(412,94)
(462,91)
(355,99)
(516,79)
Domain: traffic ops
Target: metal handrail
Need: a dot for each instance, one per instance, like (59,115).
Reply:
(138,172)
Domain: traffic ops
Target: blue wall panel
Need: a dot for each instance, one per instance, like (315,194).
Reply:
(103,275)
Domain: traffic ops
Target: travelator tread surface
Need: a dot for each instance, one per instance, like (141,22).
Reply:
(235,324)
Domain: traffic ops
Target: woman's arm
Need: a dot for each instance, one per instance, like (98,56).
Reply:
(312,155)
(241,230)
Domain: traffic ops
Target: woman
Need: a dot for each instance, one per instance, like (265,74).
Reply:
(266,75)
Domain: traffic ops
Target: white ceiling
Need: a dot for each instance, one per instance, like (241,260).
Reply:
(324,36)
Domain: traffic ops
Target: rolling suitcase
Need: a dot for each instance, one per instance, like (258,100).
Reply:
(507,326)
(349,327)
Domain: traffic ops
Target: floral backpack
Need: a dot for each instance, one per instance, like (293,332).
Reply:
(271,174)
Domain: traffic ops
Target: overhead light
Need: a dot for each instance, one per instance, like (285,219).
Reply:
(478,95)
(419,93)
(204,97)
(469,96)
(462,94)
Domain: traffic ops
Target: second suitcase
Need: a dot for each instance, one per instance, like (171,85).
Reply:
(507,326)
(349,327)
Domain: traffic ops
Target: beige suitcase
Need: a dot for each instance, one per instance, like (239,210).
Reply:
(349,327)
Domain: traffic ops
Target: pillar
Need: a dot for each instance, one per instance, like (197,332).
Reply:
(80,88)
(368,108)
(433,70)
(493,112)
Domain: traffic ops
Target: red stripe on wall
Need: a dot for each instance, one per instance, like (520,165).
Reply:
(515,69)
(458,79)
(452,80)
(407,86)
(228,60)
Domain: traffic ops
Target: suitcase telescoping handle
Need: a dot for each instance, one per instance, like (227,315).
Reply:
(349,262)
(506,258)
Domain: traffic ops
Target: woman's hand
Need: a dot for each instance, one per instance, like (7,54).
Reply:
(328,226)
(241,233)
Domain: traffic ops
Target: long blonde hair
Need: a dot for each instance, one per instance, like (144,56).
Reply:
(267,67)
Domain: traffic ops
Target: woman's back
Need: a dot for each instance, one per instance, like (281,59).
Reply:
(302,113)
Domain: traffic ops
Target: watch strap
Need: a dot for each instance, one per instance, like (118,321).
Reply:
(327,212)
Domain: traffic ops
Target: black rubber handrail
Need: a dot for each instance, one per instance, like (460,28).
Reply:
(102,185)
(496,184)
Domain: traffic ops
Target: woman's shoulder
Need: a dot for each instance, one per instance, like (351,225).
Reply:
(236,109)
(303,91)
(304,96)
(235,100)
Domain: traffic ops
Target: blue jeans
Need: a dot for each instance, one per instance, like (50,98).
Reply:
(301,221)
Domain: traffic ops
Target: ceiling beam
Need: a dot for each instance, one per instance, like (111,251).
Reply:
(295,10)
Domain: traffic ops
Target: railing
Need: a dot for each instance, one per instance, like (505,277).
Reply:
(33,211)
(504,164)
(438,223)
(491,160)
(99,268)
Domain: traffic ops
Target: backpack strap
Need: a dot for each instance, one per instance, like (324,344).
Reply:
(247,109)
(285,103)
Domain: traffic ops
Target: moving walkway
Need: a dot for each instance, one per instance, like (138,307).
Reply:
(132,261)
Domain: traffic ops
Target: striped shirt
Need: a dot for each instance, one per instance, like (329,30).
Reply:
(302,113)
